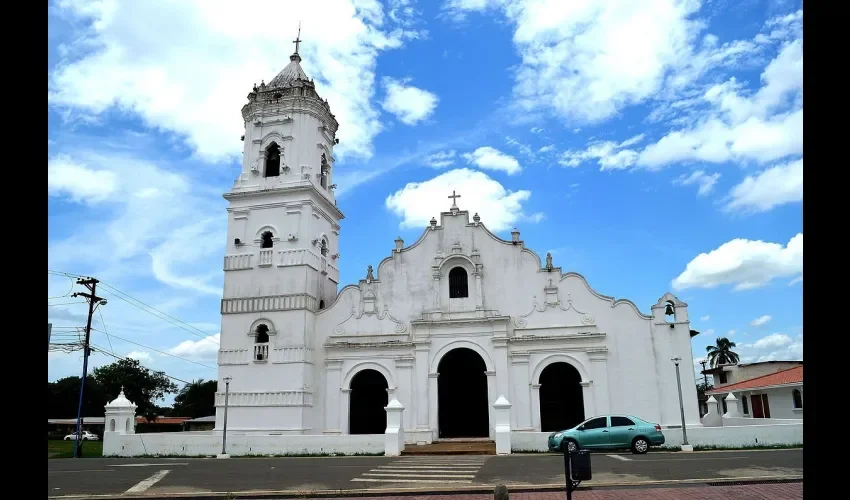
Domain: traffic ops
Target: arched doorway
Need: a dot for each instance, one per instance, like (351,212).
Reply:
(368,398)
(462,395)
(561,397)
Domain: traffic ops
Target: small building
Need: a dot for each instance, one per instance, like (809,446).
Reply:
(723,375)
(774,395)
(200,424)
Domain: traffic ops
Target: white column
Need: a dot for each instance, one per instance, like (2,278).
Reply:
(404,391)
(479,294)
(502,412)
(733,406)
(520,392)
(599,375)
(333,384)
(491,396)
(590,408)
(535,406)
(344,409)
(500,348)
(421,386)
(433,420)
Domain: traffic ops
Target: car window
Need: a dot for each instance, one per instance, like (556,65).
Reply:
(596,423)
(621,422)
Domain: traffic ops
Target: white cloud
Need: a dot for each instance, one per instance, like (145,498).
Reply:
(773,341)
(761,320)
(772,187)
(536,130)
(499,208)
(546,149)
(141,356)
(204,348)
(609,155)
(490,158)
(441,159)
(765,127)
(191,75)
(705,181)
(798,279)
(705,318)
(709,332)
(146,228)
(730,333)
(585,61)
(409,104)
(743,263)
(81,184)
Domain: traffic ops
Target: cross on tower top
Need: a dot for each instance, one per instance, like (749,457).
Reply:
(454,198)
(297,40)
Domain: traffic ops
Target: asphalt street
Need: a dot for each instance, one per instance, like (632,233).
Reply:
(112,476)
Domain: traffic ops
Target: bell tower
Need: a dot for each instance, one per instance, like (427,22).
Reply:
(281,259)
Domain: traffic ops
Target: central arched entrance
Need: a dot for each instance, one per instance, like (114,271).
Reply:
(561,397)
(369,397)
(462,395)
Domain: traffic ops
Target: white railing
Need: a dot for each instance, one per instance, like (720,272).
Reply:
(266,257)
(237,262)
(261,352)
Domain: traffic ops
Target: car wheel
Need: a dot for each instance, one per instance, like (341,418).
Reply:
(569,445)
(640,446)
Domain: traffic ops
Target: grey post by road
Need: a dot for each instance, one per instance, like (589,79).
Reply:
(681,403)
(224,433)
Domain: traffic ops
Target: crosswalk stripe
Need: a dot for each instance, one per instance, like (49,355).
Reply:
(440,481)
(455,476)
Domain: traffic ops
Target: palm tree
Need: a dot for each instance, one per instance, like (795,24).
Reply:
(721,353)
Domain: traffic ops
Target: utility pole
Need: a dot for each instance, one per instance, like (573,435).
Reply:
(49,329)
(704,376)
(94,301)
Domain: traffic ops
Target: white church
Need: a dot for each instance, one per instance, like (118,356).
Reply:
(445,325)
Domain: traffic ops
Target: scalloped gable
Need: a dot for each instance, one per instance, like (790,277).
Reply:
(614,302)
(464,213)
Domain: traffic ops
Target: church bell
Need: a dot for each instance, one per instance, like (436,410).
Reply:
(669,310)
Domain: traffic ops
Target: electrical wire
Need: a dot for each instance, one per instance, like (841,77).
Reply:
(71,289)
(109,353)
(67,303)
(147,308)
(160,352)
(102,322)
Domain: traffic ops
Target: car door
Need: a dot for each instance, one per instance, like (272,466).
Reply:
(594,433)
(622,431)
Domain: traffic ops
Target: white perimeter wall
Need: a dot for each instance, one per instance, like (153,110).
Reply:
(207,443)
(726,436)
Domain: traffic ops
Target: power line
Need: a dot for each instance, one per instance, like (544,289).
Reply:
(174,321)
(67,303)
(108,353)
(102,322)
(66,293)
(161,352)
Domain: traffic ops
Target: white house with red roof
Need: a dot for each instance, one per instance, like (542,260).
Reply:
(777,395)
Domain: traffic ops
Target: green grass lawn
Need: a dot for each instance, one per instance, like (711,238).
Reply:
(65,449)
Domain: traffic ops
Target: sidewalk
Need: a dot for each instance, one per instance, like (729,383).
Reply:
(786,491)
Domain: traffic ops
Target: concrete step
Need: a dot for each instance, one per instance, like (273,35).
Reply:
(453,447)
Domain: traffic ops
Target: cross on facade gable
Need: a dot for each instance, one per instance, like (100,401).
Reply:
(454,197)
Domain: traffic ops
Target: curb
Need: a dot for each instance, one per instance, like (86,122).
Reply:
(381,492)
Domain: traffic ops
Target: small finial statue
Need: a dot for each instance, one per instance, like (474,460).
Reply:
(548,261)
(369,276)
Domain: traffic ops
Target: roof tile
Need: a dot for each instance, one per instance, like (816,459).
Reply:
(784,377)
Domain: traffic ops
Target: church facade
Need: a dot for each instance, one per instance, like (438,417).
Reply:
(446,324)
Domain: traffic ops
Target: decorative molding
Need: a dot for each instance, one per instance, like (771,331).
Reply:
(490,373)
(229,357)
(277,398)
(585,384)
(586,319)
(368,310)
(269,303)
(285,355)
(568,337)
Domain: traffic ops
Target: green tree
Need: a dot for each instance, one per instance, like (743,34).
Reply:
(141,386)
(196,399)
(721,353)
(63,398)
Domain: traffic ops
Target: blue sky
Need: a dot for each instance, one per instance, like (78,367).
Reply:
(650,146)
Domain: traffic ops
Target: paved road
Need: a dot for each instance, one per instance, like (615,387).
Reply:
(111,476)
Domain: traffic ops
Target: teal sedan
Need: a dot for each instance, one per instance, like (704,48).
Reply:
(607,433)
